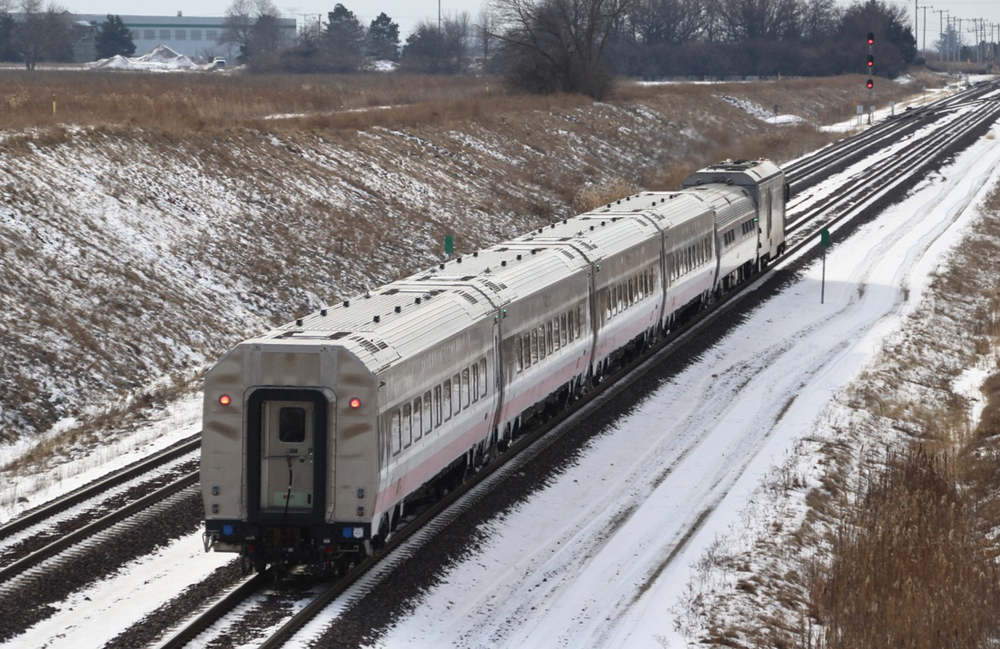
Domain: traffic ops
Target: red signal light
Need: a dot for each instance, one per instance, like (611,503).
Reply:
(355,402)
(870,84)
(225,400)
(871,38)
(871,61)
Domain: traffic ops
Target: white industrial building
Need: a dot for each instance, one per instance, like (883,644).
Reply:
(194,36)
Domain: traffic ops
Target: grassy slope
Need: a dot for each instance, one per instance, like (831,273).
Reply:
(157,219)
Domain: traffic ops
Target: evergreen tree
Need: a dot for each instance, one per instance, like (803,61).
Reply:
(345,40)
(112,38)
(383,37)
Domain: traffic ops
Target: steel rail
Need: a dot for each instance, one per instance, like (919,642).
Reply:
(100,486)
(101,524)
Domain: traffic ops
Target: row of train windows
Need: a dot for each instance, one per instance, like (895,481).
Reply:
(419,417)
(746,228)
(685,260)
(629,291)
(548,338)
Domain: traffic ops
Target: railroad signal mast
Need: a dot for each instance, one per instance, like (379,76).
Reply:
(871,68)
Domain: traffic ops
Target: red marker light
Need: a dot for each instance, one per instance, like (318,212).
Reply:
(355,402)
(225,400)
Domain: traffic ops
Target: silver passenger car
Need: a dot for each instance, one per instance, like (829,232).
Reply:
(319,434)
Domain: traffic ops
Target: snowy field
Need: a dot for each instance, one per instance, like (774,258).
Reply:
(606,556)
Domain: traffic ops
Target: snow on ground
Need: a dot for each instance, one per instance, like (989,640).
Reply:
(182,420)
(97,614)
(159,59)
(606,555)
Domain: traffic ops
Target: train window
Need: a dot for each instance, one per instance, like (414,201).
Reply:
(526,346)
(609,310)
(418,424)
(456,394)
(482,378)
(395,432)
(446,400)
(541,341)
(475,383)
(534,346)
(577,317)
(631,291)
(556,343)
(425,414)
(549,343)
(518,359)
(407,425)
(563,332)
(292,425)
(466,389)
(437,405)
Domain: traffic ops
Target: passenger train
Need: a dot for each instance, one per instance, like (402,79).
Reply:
(318,435)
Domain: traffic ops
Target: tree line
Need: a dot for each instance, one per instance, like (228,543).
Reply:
(537,45)
(582,45)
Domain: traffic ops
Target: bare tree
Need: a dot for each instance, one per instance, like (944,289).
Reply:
(755,20)
(29,35)
(485,33)
(558,45)
(238,27)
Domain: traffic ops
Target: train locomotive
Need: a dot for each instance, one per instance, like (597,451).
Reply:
(319,434)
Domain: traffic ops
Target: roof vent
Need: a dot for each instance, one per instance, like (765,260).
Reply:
(298,322)
(399,309)
(519,257)
(416,301)
(347,303)
(503,263)
(376,319)
(441,266)
(322,312)
(475,254)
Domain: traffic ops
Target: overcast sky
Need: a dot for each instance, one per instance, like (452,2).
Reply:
(410,12)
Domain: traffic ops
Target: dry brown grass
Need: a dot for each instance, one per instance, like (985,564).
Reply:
(914,559)
(911,566)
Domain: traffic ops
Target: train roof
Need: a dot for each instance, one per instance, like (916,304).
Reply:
(407,315)
(734,172)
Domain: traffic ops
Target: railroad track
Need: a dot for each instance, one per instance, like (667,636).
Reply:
(806,172)
(100,487)
(53,550)
(909,157)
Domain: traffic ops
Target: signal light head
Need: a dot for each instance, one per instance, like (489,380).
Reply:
(871,60)
(225,400)
(355,403)
(871,38)
(870,84)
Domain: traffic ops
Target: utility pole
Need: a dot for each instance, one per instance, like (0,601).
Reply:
(925,8)
(941,13)
(439,16)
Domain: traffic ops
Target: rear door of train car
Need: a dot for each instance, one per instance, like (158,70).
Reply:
(289,427)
